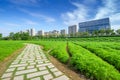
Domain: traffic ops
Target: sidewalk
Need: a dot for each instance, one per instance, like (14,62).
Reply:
(32,64)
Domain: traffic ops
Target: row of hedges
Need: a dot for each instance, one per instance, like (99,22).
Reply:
(91,65)
(112,56)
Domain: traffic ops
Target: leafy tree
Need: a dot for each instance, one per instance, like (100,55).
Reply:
(101,32)
(0,35)
(11,35)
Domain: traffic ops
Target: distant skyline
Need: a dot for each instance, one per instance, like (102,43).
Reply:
(48,15)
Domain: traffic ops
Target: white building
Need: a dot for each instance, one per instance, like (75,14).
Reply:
(32,32)
(41,33)
(72,29)
(63,32)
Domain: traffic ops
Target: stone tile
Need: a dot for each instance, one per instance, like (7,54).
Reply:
(18,65)
(38,78)
(21,77)
(5,75)
(42,68)
(20,68)
(37,74)
(32,63)
(51,66)
(58,73)
(45,64)
(40,62)
(62,78)
(6,79)
(47,77)
(29,67)
(25,71)
(10,69)
(54,69)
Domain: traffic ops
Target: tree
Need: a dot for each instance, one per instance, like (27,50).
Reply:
(109,31)
(0,35)
(11,35)
(101,32)
(118,31)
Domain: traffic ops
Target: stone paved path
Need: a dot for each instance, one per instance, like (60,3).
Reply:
(32,64)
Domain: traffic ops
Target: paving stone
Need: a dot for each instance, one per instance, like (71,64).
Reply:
(37,74)
(47,77)
(51,66)
(6,79)
(54,69)
(58,73)
(18,65)
(32,63)
(29,67)
(42,68)
(62,78)
(20,68)
(26,71)
(10,69)
(40,62)
(27,64)
(45,64)
(38,78)
(5,75)
(21,77)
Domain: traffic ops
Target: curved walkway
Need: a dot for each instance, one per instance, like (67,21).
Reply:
(32,64)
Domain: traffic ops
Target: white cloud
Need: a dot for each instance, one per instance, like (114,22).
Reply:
(38,15)
(77,15)
(109,10)
(82,13)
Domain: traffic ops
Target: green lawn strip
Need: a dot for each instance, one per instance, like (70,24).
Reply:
(8,47)
(91,65)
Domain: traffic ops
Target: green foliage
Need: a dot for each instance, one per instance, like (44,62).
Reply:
(91,65)
(8,47)
(106,53)
(58,49)
(19,36)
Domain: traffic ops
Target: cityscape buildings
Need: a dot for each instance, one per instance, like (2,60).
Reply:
(72,29)
(63,32)
(90,26)
(32,32)
(40,33)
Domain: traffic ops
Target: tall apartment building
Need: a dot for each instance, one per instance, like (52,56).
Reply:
(41,33)
(72,29)
(93,25)
(63,32)
(32,32)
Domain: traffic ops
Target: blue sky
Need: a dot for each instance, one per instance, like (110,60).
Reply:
(16,15)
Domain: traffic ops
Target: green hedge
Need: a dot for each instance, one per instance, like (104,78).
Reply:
(91,65)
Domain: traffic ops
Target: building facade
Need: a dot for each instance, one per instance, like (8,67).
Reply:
(63,32)
(72,29)
(93,25)
(32,32)
(41,33)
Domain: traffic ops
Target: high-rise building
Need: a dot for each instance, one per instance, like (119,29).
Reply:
(32,31)
(63,32)
(93,25)
(72,29)
(41,33)
(55,33)
(28,31)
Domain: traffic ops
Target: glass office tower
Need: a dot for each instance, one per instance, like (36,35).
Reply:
(93,25)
